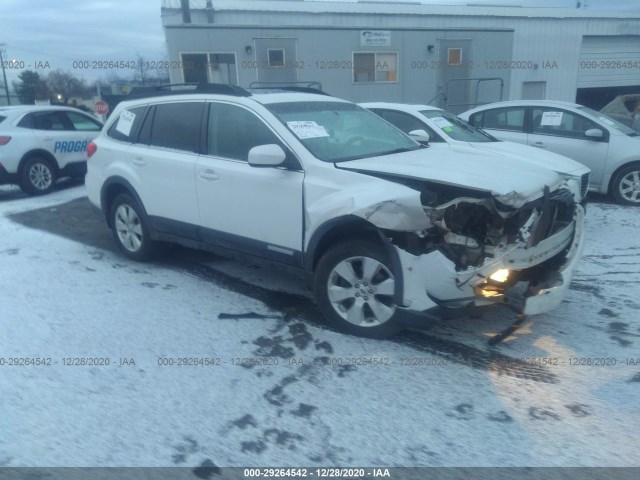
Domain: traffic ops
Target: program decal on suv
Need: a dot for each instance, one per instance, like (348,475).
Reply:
(382,225)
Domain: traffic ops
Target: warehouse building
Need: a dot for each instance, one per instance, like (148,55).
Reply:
(450,56)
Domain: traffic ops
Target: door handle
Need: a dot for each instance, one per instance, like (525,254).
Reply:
(540,145)
(48,139)
(209,175)
(138,161)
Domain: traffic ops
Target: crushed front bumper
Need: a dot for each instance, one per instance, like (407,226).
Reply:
(549,294)
(431,280)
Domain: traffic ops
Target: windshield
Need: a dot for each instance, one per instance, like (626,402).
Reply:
(607,120)
(456,128)
(337,132)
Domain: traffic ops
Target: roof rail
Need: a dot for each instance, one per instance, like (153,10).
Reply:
(302,87)
(184,88)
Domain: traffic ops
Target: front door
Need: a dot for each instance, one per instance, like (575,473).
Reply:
(250,209)
(562,132)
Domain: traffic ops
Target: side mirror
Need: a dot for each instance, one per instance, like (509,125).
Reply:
(594,133)
(270,155)
(419,136)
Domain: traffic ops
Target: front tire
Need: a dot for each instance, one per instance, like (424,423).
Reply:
(354,287)
(38,176)
(625,186)
(130,229)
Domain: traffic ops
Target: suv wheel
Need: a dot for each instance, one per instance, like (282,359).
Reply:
(38,176)
(130,229)
(354,288)
(625,186)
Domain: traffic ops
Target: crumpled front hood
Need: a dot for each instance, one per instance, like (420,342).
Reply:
(532,155)
(510,182)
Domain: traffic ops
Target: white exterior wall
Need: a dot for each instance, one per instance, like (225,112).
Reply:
(546,37)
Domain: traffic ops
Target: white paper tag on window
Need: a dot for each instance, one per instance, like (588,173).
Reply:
(125,122)
(441,122)
(551,119)
(308,129)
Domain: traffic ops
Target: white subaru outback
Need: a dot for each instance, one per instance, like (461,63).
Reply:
(381,225)
(39,144)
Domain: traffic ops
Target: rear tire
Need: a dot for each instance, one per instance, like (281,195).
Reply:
(38,176)
(130,229)
(625,186)
(354,288)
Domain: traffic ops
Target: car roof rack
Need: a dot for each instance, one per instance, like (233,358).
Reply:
(186,88)
(302,87)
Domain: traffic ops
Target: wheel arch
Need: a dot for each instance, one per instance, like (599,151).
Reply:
(617,171)
(41,153)
(351,227)
(113,187)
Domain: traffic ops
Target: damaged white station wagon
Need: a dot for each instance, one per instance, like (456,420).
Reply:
(381,224)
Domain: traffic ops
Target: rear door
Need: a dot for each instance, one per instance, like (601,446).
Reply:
(562,131)
(254,210)
(56,134)
(163,160)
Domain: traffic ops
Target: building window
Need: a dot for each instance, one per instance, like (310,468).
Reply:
(372,67)
(454,56)
(276,57)
(209,68)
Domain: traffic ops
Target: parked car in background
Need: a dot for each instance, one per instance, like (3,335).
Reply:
(446,131)
(610,149)
(625,109)
(39,144)
(380,224)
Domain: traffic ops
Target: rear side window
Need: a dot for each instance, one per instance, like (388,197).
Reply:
(177,126)
(51,121)
(504,119)
(83,123)
(125,126)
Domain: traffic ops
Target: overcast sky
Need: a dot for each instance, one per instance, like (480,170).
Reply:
(63,31)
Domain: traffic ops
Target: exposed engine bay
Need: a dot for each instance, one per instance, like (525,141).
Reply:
(470,231)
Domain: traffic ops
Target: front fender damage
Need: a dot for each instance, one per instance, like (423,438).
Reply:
(447,252)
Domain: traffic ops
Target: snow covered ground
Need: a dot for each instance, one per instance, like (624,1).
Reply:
(439,396)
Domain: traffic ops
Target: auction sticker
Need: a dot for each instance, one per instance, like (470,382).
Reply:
(125,122)
(551,119)
(307,129)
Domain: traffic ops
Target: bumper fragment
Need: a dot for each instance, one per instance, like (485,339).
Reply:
(552,291)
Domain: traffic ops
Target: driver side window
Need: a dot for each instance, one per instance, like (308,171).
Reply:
(547,121)
(233,131)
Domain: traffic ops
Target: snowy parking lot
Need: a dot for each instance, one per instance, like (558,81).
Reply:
(196,360)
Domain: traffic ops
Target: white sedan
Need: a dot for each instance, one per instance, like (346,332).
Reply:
(39,144)
(610,149)
(445,130)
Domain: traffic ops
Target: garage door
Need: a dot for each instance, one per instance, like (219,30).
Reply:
(612,61)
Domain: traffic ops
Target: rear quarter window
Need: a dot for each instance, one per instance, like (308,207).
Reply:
(124,128)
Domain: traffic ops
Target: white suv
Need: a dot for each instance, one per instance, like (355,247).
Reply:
(39,144)
(381,224)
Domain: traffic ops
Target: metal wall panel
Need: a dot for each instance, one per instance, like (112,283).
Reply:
(609,61)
